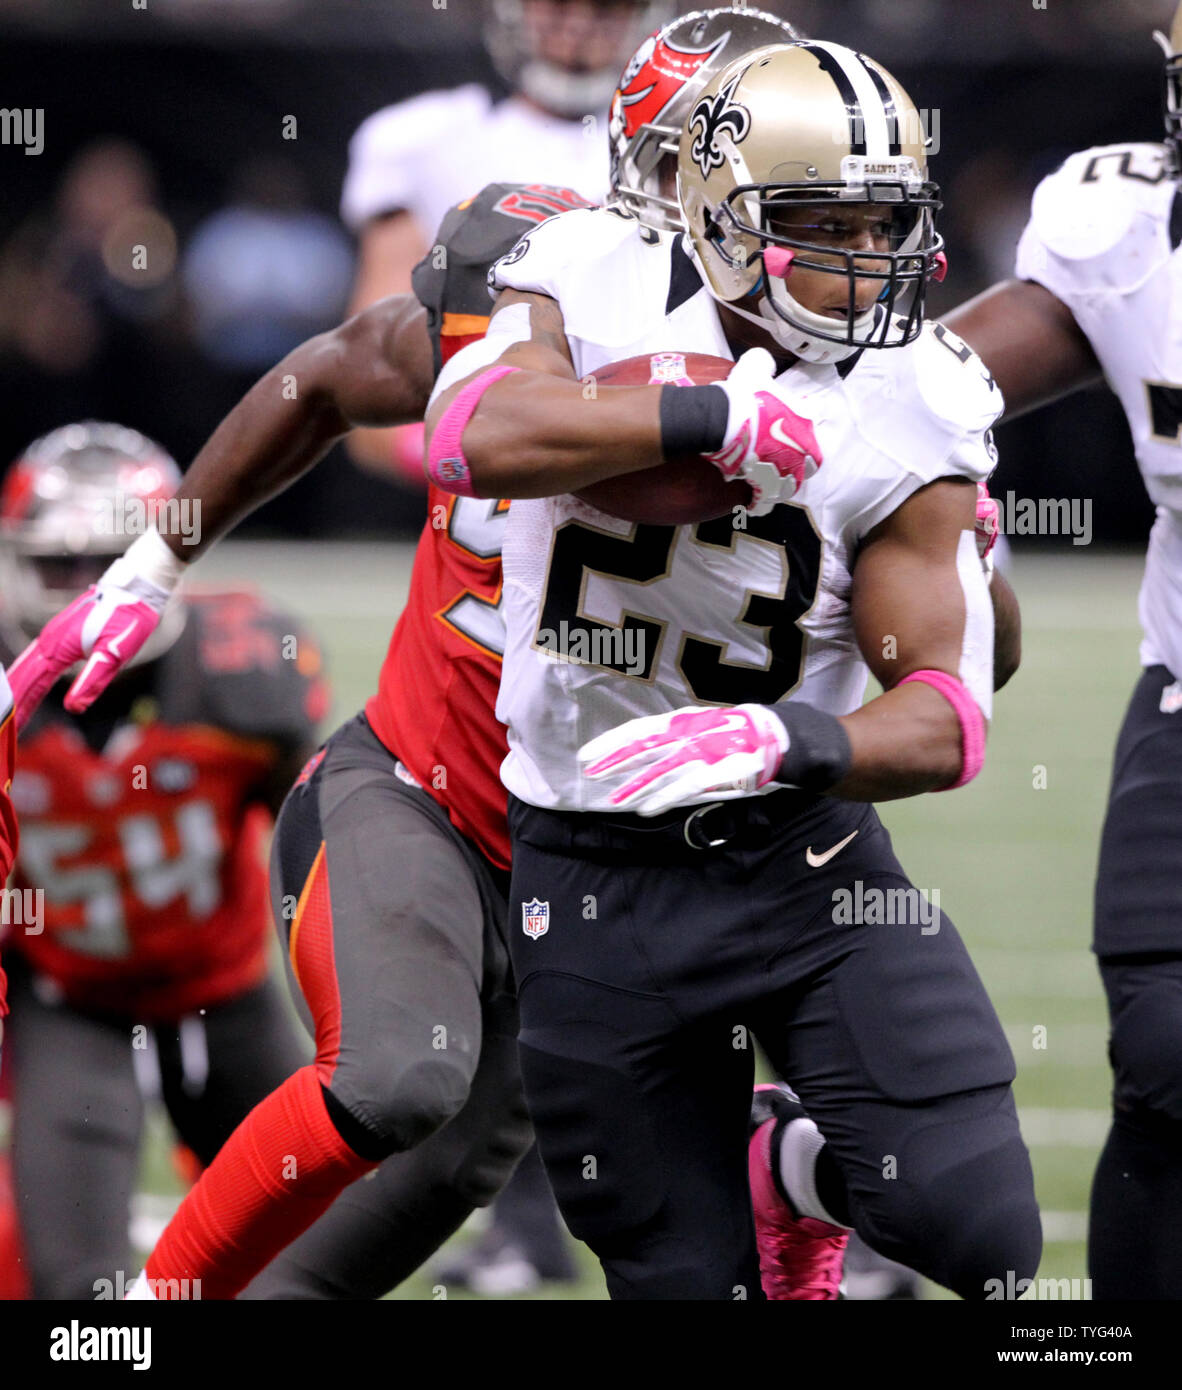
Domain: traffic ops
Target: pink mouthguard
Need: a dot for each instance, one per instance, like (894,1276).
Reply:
(777,261)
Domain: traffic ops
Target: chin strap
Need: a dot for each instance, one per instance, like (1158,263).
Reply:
(796,340)
(793,339)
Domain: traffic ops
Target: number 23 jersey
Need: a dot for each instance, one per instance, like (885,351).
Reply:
(608,621)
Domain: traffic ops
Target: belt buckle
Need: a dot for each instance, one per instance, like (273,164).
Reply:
(694,832)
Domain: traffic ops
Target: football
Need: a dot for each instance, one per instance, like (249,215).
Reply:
(683,490)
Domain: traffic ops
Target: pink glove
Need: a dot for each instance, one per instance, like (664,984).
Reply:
(108,624)
(688,756)
(988,521)
(767,444)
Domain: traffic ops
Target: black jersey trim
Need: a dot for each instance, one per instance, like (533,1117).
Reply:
(846,367)
(684,280)
(1176,221)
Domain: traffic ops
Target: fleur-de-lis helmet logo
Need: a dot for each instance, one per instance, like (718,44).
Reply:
(712,115)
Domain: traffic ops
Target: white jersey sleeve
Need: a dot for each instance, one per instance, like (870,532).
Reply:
(561,257)
(923,413)
(540,262)
(390,154)
(1095,223)
(1105,237)
(572,257)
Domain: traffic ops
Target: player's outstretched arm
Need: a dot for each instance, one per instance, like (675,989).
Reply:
(509,419)
(374,369)
(534,431)
(1029,340)
(389,247)
(924,624)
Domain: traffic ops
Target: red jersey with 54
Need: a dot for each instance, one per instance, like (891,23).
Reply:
(150,852)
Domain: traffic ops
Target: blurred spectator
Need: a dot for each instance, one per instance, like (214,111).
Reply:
(102,258)
(88,297)
(410,162)
(266,272)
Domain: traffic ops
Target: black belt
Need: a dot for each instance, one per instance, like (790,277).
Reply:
(718,825)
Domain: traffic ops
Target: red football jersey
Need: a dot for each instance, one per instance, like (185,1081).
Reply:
(438,684)
(8,834)
(151,852)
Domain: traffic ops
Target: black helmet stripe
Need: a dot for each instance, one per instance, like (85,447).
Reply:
(888,105)
(832,65)
(865,96)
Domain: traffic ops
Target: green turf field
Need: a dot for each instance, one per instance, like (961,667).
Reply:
(1013,855)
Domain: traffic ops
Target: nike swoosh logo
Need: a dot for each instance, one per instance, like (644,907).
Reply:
(816,860)
(781,435)
(113,644)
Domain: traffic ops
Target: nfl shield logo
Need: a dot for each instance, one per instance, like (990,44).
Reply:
(1171,698)
(535,918)
(668,369)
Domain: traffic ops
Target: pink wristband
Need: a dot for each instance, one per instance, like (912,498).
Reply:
(972,722)
(446,464)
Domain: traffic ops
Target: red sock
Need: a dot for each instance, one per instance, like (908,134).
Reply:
(14,1281)
(280,1169)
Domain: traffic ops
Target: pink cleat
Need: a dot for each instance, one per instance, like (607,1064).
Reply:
(800,1258)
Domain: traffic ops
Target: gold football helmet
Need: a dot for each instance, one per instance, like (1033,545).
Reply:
(818,126)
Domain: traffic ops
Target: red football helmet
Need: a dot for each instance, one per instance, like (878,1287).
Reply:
(656,91)
(72,503)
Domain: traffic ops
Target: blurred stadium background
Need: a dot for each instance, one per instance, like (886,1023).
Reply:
(162,123)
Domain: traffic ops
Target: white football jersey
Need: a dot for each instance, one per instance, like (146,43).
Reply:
(430,152)
(607,620)
(1103,237)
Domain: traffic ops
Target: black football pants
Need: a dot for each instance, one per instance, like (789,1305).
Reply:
(408,962)
(645,971)
(78,1114)
(1135,1226)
